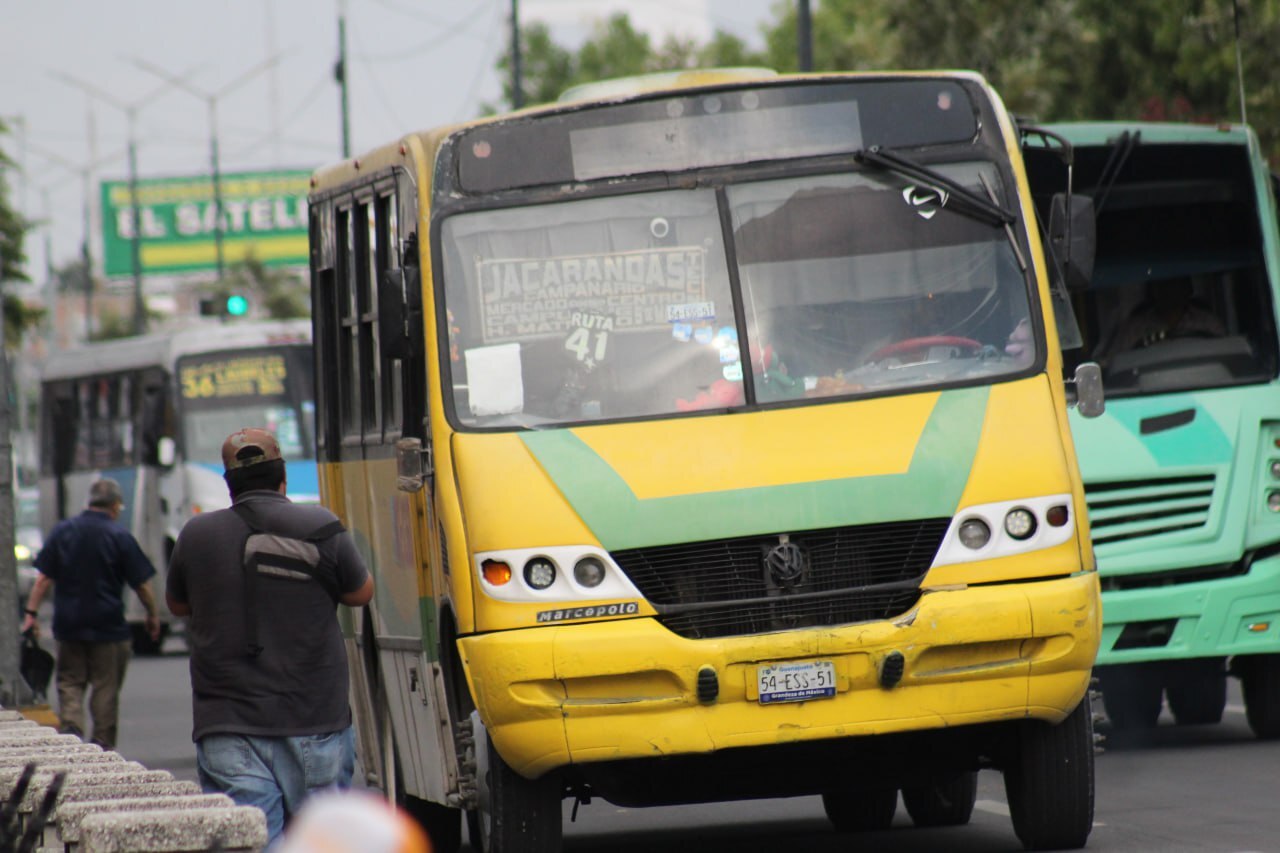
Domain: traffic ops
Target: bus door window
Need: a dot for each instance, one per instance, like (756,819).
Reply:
(588,310)
(348,387)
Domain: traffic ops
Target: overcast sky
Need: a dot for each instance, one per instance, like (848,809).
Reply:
(412,64)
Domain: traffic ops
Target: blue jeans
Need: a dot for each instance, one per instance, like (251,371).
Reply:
(275,773)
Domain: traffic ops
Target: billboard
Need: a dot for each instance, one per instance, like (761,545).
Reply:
(263,214)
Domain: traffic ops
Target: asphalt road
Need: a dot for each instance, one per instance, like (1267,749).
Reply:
(1205,788)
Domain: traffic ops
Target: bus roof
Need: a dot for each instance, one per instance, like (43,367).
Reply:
(1164,133)
(164,348)
(394,153)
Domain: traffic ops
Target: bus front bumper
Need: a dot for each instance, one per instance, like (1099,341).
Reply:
(603,691)
(1214,618)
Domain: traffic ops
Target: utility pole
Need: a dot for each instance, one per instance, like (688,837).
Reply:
(517,85)
(340,75)
(804,36)
(130,111)
(211,98)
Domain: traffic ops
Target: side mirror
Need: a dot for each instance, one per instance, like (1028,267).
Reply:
(1073,237)
(413,465)
(166,452)
(1088,397)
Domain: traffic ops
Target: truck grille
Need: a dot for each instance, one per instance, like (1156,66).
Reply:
(1137,509)
(754,584)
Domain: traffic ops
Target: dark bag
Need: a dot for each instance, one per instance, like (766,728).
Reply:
(36,666)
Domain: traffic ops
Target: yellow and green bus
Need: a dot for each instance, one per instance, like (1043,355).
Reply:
(707,438)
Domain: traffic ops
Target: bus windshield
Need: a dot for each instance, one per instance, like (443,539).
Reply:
(224,391)
(846,283)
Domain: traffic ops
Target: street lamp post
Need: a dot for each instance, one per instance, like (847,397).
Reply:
(211,98)
(131,114)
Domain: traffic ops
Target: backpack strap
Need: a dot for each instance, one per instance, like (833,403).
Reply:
(277,564)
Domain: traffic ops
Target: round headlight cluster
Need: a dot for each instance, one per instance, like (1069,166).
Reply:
(1273,501)
(589,572)
(974,533)
(1020,523)
(1275,469)
(539,573)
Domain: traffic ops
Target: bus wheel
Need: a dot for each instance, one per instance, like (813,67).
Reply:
(861,811)
(1131,695)
(516,815)
(1048,782)
(1200,696)
(442,824)
(1260,678)
(946,801)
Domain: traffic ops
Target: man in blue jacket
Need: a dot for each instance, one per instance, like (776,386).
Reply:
(87,560)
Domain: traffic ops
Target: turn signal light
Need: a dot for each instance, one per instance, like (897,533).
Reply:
(496,572)
(1258,627)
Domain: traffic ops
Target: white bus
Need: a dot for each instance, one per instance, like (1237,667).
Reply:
(152,412)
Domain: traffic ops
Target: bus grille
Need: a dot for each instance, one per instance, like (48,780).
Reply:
(754,584)
(1137,509)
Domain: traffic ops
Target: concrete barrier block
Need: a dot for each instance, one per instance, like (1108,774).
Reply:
(71,815)
(9,714)
(90,789)
(240,828)
(23,734)
(20,723)
(85,753)
(38,739)
(77,774)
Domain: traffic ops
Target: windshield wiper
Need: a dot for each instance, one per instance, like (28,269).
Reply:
(970,202)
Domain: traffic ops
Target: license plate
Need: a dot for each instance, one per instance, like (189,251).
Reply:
(796,682)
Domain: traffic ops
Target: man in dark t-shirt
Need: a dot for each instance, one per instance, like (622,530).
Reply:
(260,583)
(87,561)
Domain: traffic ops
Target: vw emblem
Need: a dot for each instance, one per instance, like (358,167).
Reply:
(785,565)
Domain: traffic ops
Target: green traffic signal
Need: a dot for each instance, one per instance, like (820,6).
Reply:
(237,305)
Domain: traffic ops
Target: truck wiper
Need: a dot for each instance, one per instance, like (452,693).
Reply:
(970,202)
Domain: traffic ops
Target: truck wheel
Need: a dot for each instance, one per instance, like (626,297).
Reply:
(1131,696)
(947,801)
(442,824)
(1260,678)
(517,815)
(861,811)
(1200,697)
(1049,782)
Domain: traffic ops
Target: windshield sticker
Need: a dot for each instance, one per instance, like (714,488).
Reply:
(691,311)
(925,200)
(495,380)
(733,372)
(589,340)
(682,332)
(703,334)
(537,297)
(597,611)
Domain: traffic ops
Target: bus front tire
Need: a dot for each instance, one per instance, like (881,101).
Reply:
(945,801)
(523,815)
(861,811)
(1048,781)
(1132,696)
(1260,680)
(1199,697)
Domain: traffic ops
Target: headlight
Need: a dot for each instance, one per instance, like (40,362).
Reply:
(589,572)
(974,533)
(1020,523)
(539,573)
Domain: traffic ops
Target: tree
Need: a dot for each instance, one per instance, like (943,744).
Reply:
(271,291)
(18,317)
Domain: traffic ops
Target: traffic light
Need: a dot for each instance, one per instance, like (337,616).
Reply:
(233,305)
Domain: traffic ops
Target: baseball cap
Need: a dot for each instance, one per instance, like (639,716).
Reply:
(249,446)
(105,492)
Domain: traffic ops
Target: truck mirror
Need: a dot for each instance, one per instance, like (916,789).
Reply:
(1089,396)
(1073,239)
